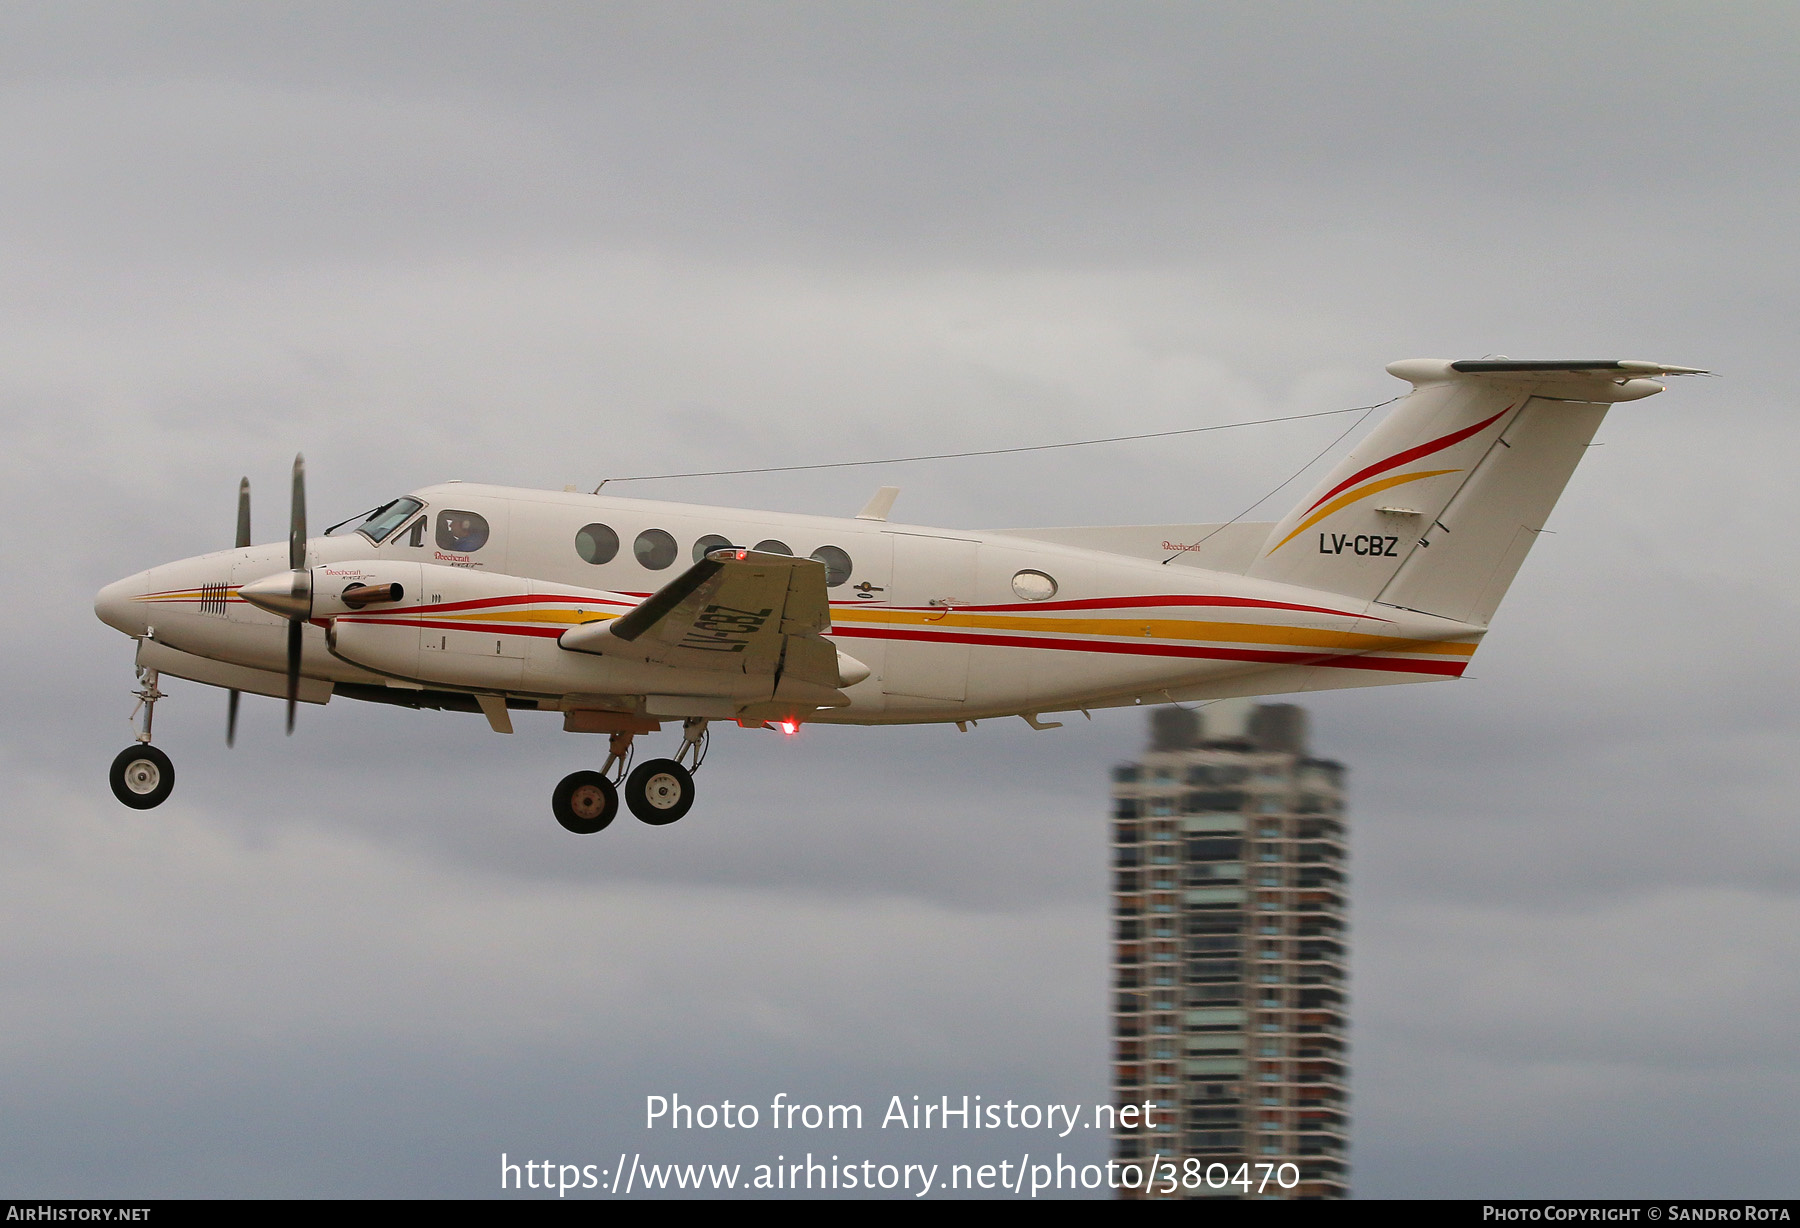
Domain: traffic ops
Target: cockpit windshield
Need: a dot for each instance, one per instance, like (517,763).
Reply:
(384,520)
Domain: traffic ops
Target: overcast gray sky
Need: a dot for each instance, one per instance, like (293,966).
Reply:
(551,243)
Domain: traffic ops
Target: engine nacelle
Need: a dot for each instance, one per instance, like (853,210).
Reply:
(358,586)
(450,626)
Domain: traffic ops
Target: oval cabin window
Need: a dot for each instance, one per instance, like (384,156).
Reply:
(837,565)
(1033,586)
(654,548)
(597,543)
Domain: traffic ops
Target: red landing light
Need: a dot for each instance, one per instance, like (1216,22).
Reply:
(742,555)
(790,727)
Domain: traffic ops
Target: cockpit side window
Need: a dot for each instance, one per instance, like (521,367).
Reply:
(462,532)
(385,520)
(414,536)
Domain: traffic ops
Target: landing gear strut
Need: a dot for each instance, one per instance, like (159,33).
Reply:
(658,792)
(142,776)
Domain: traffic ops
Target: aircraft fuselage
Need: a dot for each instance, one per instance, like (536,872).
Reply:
(952,625)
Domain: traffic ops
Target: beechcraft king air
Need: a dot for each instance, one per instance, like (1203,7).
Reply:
(623,615)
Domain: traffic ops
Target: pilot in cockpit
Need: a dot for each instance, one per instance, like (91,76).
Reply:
(462,532)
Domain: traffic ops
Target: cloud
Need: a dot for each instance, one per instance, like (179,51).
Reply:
(454,242)
(183,967)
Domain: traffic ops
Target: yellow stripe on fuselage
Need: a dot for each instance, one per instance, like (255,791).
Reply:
(568,618)
(1117,628)
(1158,629)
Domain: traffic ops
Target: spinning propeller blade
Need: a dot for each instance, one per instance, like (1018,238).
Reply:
(289,596)
(297,564)
(293,670)
(243,539)
(297,520)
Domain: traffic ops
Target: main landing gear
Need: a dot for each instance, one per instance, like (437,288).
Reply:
(142,776)
(658,791)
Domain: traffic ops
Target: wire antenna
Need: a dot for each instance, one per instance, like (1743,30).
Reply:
(1038,447)
(1366,411)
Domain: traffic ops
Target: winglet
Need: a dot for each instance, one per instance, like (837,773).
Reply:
(880,505)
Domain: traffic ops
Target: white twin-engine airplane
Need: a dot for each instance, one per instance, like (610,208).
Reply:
(621,614)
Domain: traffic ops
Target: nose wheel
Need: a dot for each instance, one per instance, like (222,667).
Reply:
(142,776)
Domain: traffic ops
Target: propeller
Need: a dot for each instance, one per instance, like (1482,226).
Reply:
(302,579)
(289,596)
(243,539)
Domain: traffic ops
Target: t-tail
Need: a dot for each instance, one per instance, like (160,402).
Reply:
(1436,509)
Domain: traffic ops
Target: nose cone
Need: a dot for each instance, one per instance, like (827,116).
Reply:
(118,606)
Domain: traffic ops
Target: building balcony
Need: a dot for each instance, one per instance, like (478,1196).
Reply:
(1320,1075)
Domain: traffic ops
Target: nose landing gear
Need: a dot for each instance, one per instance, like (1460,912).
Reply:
(141,775)
(658,792)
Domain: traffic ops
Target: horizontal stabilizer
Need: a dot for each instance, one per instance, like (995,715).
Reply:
(1628,367)
(1601,380)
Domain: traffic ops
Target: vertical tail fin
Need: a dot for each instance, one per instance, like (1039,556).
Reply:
(1436,509)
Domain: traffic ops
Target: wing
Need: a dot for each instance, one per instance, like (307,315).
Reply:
(735,611)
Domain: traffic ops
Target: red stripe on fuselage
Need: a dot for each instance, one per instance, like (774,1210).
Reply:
(1128,603)
(1449,669)
(478,628)
(527,599)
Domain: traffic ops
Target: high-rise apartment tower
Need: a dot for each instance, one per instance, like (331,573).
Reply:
(1229,916)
